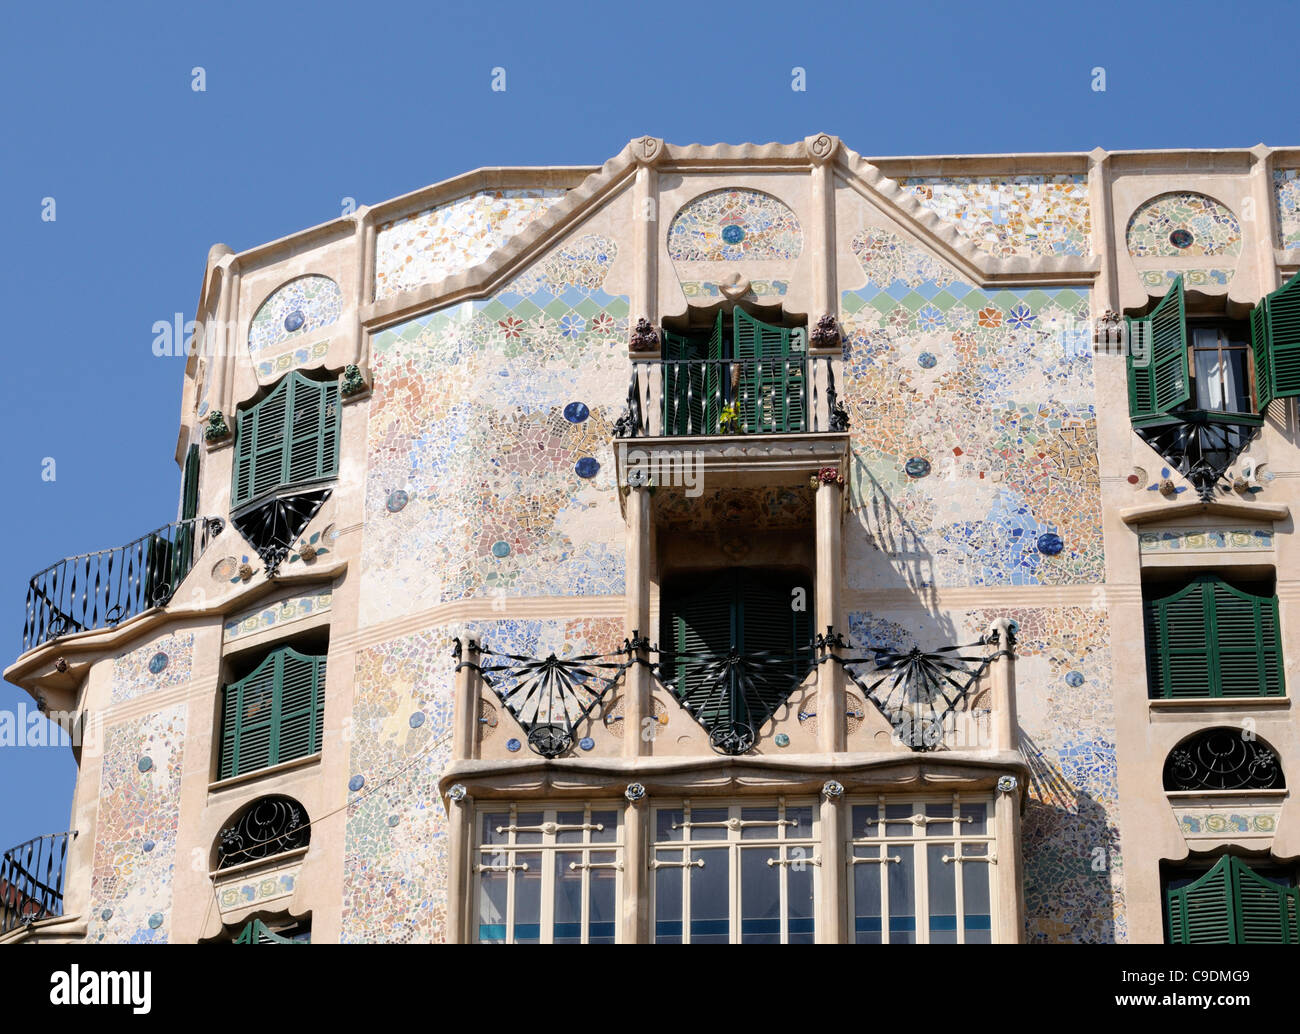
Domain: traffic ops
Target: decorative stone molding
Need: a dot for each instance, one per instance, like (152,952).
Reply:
(217,431)
(645,338)
(647,150)
(353,384)
(822,147)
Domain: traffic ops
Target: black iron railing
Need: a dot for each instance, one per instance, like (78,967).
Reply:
(100,590)
(1201,445)
(674,397)
(31,880)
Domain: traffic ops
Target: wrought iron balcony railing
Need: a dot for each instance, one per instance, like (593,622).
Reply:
(31,880)
(1201,445)
(677,397)
(101,590)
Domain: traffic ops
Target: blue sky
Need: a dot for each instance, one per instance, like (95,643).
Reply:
(307,105)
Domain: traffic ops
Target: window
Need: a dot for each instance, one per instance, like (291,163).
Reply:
(1223,758)
(274,714)
(707,615)
(755,371)
(290,438)
(735,874)
(1210,639)
(549,875)
(1232,903)
(276,931)
(920,872)
(1220,367)
(262,829)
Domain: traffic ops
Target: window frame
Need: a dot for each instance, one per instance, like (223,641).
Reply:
(1221,325)
(273,655)
(921,859)
(736,844)
(549,847)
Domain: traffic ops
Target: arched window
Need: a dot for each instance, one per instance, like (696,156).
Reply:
(1223,759)
(287,440)
(1232,904)
(1209,639)
(264,828)
(274,714)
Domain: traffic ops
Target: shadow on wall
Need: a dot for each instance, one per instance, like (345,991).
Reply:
(1069,848)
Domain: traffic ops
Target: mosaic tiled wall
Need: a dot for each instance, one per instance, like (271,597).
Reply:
(1074,887)
(974,427)
(433,245)
(1183,224)
(1016,215)
(161,664)
(135,838)
(490,470)
(1286,191)
(279,614)
(292,313)
(395,868)
(734,225)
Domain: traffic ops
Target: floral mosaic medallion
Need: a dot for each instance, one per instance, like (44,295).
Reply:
(734,225)
(1183,224)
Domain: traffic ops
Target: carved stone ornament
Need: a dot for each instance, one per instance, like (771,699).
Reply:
(645,338)
(217,429)
(826,334)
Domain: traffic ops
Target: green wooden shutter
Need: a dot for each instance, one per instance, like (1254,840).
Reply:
(183,553)
(772,389)
(1259,347)
(1211,640)
(1157,357)
(257,932)
(717,377)
(274,714)
(702,622)
(1282,326)
(683,389)
(289,438)
(1201,912)
(1265,912)
(770,624)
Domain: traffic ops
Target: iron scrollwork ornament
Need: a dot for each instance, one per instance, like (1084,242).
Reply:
(1223,759)
(267,827)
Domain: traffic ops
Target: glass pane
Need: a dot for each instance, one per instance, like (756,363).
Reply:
(975,901)
(760,897)
(1236,388)
(489,825)
(938,829)
(866,897)
(710,815)
(942,880)
(568,898)
(799,895)
(528,818)
(710,897)
(608,819)
(865,821)
(602,908)
(668,825)
(981,848)
(668,900)
(528,899)
(569,818)
(901,887)
(898,811)
(977,813)
(764,832)
(492,906)
(803,823)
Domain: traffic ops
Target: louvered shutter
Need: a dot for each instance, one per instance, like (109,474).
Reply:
(183,554)
(1244,641)
(1282,322)
(257,932)
(313,431)
(1157,359)
(1265,912)
(701,624)
(291,437)
(1178,646)
(772,387)
(771,626)
(270,428)
(1201,912)
(683,388)
(717,377)
(1263,360)
(301,713)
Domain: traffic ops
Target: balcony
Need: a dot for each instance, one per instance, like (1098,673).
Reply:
(101,590)
(1201,445)
(31,881)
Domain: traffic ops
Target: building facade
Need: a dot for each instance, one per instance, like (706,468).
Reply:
(729,543)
